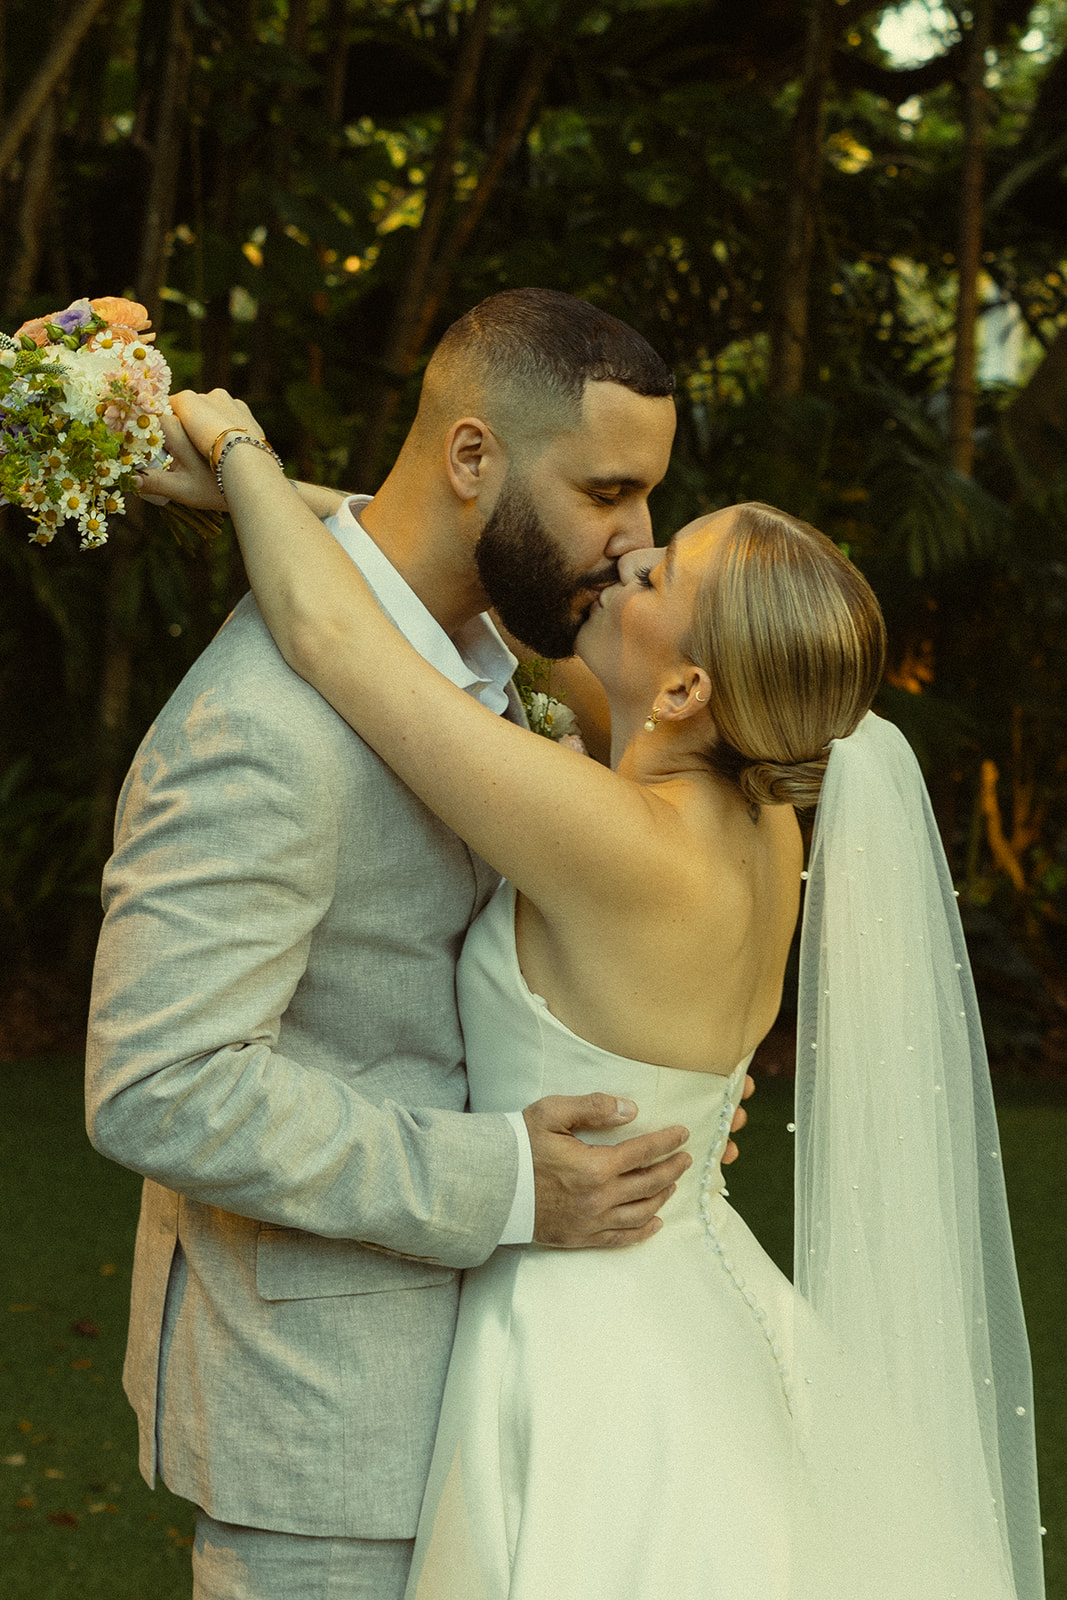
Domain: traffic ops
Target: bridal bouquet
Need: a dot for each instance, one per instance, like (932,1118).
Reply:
(82,399)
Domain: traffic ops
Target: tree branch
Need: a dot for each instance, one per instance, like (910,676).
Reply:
(55,64)
(1020,175)
(961,389)
(166,152)
(406,336)
(897,84)
(1003,855)
(514,125)
(789,333)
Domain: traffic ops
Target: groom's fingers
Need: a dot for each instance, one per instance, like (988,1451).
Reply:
(599,1196)
(731,1151)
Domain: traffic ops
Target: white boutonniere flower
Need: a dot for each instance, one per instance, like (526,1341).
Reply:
(546,714)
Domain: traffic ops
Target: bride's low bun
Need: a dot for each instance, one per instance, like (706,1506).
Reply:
(771,783)
(776,783)
(793,642)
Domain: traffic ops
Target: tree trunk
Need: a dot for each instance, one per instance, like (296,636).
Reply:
(219,213)
(449,256)
(969,250)
(789,339)
(297,27)
(335,68)
(3,57)
(165,148)
(40,90)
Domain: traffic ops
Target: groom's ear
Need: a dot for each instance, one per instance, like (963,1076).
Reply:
(474,458)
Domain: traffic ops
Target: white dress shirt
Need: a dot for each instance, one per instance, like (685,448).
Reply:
(476,659)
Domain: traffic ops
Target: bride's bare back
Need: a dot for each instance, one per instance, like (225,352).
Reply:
(690,977)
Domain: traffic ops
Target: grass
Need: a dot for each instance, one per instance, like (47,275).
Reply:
(76,1520)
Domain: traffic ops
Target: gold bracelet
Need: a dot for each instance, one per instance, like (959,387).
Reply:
(212,463)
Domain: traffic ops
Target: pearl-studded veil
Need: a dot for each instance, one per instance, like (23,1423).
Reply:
(912,1384)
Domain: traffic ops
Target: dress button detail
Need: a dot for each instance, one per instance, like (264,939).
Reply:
(707,1188)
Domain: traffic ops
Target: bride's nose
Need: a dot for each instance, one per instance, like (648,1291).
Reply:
(638,561)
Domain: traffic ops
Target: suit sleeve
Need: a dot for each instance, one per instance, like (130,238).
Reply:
(225,863)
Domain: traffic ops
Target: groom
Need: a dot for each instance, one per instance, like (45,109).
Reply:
(274,1041)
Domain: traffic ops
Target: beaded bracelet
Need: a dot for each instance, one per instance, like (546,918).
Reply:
(243,438)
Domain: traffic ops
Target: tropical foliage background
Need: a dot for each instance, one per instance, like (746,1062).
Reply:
(843,222)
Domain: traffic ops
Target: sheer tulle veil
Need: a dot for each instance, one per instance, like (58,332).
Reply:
(904,1263)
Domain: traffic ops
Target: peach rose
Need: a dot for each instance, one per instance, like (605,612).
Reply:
(126,312)
(34,329)
(125,318)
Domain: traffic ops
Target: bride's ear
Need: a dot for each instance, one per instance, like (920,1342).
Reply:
(687,695)
(474,457)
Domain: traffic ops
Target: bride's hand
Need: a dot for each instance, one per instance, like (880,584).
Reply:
(205,416)
(188,479)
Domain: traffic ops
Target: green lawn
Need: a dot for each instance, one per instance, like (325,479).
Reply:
(76,1521)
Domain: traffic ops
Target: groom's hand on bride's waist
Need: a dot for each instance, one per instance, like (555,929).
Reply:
(731,1152)
(599,1195)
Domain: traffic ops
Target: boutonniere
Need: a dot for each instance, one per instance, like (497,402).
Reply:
(546,713)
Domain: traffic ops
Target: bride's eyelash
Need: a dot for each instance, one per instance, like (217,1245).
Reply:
(643,576)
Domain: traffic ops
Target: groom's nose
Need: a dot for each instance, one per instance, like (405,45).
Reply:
(633,529)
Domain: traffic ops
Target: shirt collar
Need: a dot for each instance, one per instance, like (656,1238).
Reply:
(475,657)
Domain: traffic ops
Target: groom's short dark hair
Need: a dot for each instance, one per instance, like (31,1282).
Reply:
(543,336)
(526,355)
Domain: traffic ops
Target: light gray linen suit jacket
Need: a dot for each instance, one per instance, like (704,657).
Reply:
(274,1044)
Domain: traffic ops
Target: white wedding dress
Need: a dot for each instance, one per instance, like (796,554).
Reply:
(621,1425)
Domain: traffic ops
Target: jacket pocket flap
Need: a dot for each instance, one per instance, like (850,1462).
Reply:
(291,1265)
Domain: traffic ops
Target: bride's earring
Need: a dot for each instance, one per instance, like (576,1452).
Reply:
(651,720)
(701,697)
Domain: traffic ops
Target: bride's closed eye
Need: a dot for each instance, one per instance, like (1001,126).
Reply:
(643,576)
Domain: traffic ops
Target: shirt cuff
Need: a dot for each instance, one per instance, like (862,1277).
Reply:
(519,1228)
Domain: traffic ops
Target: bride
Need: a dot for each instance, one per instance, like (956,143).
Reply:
(676,1419)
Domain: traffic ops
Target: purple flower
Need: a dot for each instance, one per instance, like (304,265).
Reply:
(77,315)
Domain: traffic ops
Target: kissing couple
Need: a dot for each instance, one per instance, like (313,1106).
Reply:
(390,988)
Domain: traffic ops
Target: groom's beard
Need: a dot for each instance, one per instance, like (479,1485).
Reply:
(523,572)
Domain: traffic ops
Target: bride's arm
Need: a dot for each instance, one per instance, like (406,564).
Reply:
(190,481)
(563,828)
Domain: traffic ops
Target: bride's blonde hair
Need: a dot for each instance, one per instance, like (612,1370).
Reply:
(793,640)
